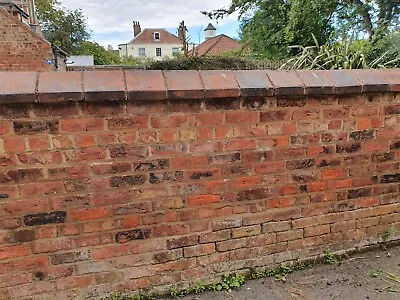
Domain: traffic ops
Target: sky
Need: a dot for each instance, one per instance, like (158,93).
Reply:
(111,21)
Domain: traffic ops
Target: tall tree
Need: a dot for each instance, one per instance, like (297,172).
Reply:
(62,27)
(270,26)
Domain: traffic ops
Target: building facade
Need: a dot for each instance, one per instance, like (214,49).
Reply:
(22,46)
(151,43)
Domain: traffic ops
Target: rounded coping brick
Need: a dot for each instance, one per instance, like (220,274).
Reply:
(139,85)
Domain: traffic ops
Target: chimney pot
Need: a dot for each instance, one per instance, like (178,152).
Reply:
(136,28)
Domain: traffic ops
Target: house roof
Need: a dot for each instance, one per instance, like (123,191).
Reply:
(217,45)
(146,37)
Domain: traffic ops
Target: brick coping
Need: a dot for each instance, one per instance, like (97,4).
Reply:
(140,85)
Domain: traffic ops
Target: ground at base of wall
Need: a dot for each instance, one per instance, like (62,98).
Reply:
(358,277)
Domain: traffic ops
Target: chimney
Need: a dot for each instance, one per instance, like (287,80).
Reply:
(136,28)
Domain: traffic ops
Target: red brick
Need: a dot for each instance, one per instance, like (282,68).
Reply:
(318,230)
(306,114)
(27,263)
(372,146)
(110,251)
(169,121)
(89,213)
(189,162)
(289,235)
(14,252)
(203,200)
(241,117)
(39,143)
(79,125)
(242,144)
(199,250)
(245,182)
(131,221)
(53,245)
(332,173)
(75,282)
(218,236)
(14,144)
(343,226)
(45,188)
(208,119)
(246,231)
(63,142)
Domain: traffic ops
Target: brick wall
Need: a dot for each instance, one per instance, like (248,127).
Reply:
(20,48)
(119,181)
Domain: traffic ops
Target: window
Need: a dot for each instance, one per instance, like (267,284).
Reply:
(158,51)
(142,52)
(175,52)
(156,36)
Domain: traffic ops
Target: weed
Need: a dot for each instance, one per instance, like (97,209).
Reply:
(387,234)
(227,283)
(374,273)
(392,279)
(234,281)
(330,258)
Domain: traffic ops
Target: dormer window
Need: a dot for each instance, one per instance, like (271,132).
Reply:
(156,36)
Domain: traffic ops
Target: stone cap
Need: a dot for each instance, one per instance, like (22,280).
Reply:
(131,85)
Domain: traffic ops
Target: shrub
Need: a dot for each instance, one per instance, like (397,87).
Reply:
(347,55)
(202,63)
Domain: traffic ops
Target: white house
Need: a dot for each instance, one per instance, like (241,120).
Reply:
(152,43)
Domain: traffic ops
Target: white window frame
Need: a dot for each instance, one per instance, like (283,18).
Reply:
(155,34)
(142,53)
(158,48)
(175,51)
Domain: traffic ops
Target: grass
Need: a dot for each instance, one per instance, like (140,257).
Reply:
(393,279)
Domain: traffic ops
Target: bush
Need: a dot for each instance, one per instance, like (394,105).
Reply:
(385,51)
(202,63)
(348,55)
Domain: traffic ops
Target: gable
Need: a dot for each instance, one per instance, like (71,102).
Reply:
(217,45)
(147,37)
(22,49)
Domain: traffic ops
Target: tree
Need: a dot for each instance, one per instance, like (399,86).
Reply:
(100,54)
(64,28)
(278,24)
(270,26)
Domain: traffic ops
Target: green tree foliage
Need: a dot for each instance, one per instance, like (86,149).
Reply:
(64,28)
(100,54)
(277,24)
(270,26)
(68,30)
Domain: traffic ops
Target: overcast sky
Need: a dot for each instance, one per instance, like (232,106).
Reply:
(111,21)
